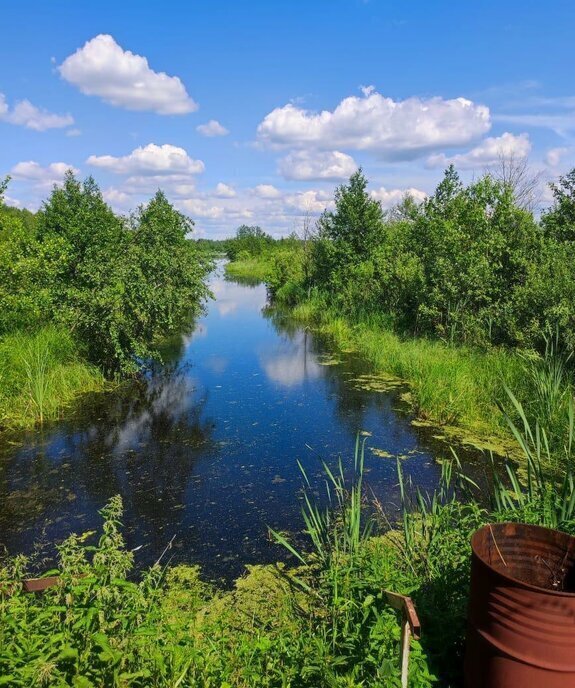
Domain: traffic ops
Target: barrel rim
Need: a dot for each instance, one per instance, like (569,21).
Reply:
(529,586)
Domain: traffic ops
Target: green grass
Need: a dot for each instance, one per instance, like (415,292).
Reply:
(325,624)
(328,626)
(257,269)
(449,385)
(41,374)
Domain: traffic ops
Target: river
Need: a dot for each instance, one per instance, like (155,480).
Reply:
(204,450)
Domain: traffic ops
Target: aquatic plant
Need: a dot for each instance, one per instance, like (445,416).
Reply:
(40,374)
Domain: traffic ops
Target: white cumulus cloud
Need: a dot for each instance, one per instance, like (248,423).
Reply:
(27,115)
(307,165)
(224,191)
(13,202)
(199,208)
(116,198)
(391,197)
(309,201)
(487,153)
(122,78)
(392,129)
(41,176)
(212,128)
(266,191)
(150,160)
(554,155)
(179,184)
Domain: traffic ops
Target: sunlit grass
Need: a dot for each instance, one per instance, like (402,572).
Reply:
(40,374)
(250,268)
(449,385)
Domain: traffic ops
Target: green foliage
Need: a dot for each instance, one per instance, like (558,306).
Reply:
(249,269)
(542,498)
(467,265)
(248,242)
(473,246)
(256,257)
(408,289)
(286,275)
(41,373)
(356,226)
(559,220)
(119,286)
(99,626)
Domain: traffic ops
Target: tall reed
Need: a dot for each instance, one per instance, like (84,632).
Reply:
(40,373)
(37,360)
(337,529)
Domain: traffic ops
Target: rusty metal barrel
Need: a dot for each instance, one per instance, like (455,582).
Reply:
(521,631)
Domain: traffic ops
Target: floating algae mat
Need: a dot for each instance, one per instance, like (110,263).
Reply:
(327,360)
(382,453)
(376,383)
(469,440)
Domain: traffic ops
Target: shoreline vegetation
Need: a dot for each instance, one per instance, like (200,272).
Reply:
(463,297)
(452,388)
(86,296)
(42,374)
(324,621)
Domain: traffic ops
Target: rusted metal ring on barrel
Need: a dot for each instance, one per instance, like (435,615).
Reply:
(522,607)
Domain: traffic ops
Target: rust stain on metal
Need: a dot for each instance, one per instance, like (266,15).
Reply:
(521,631)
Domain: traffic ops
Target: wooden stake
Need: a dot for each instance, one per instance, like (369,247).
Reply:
(404,651)
(410,627)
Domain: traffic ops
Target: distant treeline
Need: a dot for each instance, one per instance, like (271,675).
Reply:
(248,242)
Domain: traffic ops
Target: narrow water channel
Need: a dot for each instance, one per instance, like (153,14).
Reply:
(205,450)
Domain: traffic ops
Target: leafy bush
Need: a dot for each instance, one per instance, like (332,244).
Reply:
(119,285)
(326,623)
(327,627)
(466,265)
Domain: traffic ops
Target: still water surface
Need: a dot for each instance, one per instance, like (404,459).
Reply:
(205,450)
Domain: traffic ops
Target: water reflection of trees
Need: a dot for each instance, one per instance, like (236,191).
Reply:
(142,441)
(351,403)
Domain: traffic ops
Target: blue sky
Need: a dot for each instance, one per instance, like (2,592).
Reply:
(289,96)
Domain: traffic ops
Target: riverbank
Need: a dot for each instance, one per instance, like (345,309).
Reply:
(323,622)
(449,386)
(42,374)
(251,268)
(452,387)
(321,625)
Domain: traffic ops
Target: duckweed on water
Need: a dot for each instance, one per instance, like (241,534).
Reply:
(376,383)
(328,360)
(381,453)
